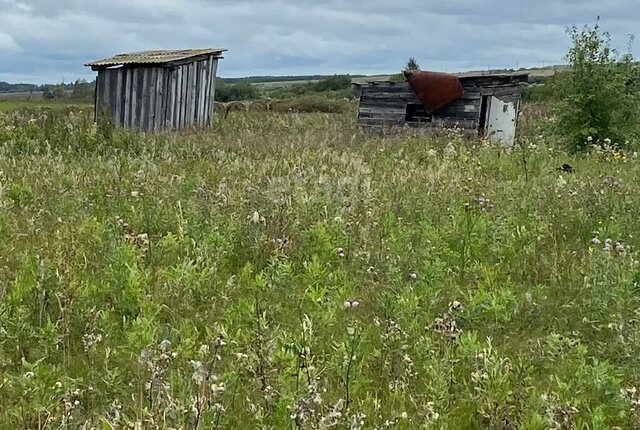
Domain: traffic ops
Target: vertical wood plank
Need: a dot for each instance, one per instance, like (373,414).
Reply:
(202,119)
(196,94)
(183,100)
(127,98)
(100,97)
(119,98)
(211,91)
(104,98)
(206,88)
(141,95)
(171,99)
(151,99)
(203,93)
(157,118)
(134,99)
(192,93)
(106,94)
(180,100)
(146,93)
(187,95)
(176,118)
(96,97)
(113,94)
(165,100)
(212,95)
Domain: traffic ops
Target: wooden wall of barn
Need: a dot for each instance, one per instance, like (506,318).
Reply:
(158,97)
(384,104)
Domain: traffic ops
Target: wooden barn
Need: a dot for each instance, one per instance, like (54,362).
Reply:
(155,91)
(487,105)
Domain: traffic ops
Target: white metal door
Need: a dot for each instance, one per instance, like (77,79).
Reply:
(501,121)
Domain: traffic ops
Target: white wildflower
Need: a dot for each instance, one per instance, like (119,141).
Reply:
(165,346)
(217,389)
(450,150)
(204,350)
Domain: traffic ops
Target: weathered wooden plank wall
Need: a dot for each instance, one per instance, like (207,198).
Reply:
(155,99)
(385,104)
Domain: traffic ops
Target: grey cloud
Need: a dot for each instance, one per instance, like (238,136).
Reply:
(41,40)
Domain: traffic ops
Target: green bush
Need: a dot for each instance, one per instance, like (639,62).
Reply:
(599,93)
(539,90)
(236,92)
(334,83)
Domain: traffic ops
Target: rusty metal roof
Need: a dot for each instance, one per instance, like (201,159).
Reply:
(154,57)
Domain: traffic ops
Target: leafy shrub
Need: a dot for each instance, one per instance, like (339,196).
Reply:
(540,89)
(235,92)
(599,93)
(333,83)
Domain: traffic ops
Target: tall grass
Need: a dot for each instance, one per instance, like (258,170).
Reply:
(284,271)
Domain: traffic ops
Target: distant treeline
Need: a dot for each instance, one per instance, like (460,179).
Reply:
(268,79)
(337,86)
(6,87)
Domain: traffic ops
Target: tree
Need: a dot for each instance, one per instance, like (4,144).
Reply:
(59,92)
(599,92)
(47,94)
(412,65)
(235,92)
(82,90)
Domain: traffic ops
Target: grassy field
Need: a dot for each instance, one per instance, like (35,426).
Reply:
(16,104)
(284,271)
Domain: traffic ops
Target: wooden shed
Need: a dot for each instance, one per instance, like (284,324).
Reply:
(156,91)
(488,107)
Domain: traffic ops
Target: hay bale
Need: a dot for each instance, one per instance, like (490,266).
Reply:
(225,109)
(259,106)
(235,107)
(220,108)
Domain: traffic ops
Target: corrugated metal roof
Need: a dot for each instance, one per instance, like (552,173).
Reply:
(154,57)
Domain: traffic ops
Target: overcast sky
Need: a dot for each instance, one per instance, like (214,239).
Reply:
(46,40)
